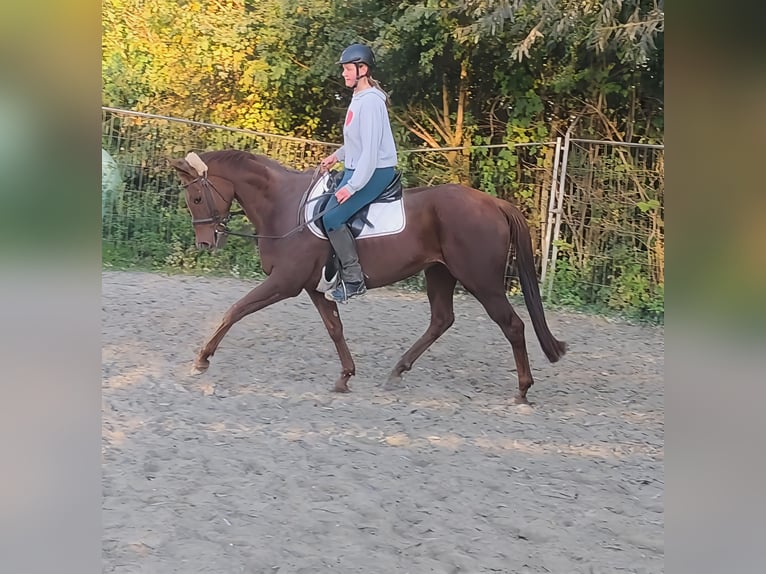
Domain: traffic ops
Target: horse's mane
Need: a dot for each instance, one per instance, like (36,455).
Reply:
(236,156)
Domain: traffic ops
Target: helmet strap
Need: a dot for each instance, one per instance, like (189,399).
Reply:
(358,77)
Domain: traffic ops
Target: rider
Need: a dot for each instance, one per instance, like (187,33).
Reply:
(369,157)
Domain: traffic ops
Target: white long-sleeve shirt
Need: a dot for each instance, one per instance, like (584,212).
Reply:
(367,139)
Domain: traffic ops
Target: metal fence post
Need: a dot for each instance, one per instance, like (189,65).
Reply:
(551,203)
(559,209)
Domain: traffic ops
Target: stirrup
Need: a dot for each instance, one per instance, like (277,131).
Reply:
(344,291)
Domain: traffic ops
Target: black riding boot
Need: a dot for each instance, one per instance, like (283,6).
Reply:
(352,280)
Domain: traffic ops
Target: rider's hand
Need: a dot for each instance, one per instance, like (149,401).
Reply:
(342,194)
(328,162)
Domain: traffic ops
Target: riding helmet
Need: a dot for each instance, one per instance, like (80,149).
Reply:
(357,54)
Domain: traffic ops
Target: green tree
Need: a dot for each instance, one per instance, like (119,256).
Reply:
(189,59)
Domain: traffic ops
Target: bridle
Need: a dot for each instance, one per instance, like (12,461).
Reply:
(207,189)
(220,221)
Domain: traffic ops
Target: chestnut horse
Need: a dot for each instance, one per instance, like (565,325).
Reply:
(453,233)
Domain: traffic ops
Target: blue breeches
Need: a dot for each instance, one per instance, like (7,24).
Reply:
(339,214)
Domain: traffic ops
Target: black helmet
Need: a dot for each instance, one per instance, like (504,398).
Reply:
(357,54)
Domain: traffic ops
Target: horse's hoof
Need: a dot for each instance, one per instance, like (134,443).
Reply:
(341,385)
(519,400)
(393,382)
(199,367)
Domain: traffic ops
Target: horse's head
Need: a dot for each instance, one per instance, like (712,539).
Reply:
(208,198)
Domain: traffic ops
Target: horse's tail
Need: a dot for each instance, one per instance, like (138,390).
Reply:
(521,245)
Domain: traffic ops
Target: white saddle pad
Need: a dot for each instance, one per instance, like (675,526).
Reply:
(386,218)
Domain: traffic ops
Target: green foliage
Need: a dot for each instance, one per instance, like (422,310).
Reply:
(628,293)
(167,57)
(237,258)
(646,206)
(139,233)
(568,289)
(415,283)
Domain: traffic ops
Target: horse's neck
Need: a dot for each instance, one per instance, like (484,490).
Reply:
(269,200)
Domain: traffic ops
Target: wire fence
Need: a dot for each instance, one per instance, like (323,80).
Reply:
(144,217)
(608,226)
(595,208)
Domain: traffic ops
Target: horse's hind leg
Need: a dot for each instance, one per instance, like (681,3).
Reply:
(267,293)
(500,311)
(440,285)
(328,310)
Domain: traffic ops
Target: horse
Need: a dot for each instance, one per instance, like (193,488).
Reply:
(453,233)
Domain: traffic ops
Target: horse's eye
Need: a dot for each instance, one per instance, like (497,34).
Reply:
(197,200)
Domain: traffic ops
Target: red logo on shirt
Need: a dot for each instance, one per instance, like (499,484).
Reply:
(349,117)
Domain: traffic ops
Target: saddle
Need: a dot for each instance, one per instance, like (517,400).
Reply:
(359,220)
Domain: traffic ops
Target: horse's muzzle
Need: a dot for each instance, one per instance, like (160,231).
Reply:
(218,240)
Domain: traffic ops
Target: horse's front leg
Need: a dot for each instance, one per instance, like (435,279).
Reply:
(328,310)
(265,294)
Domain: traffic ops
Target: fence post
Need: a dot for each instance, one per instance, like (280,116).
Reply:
(551,203)
(559,209)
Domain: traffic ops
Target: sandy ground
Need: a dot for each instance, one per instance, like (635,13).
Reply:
(257,467)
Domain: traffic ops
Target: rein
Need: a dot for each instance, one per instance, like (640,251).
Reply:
(224,230)
(221,221)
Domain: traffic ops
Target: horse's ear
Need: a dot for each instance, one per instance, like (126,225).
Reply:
(191,165)
(196,162)
(183,166)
